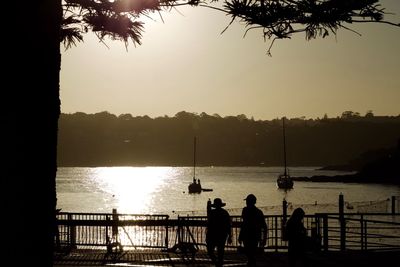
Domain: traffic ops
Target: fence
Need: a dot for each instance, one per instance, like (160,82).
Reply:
(355,231)
(366,231)
(105,230)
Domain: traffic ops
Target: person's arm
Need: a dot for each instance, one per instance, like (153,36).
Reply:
(208,208)
(264,231)
(229,228)
(240,239)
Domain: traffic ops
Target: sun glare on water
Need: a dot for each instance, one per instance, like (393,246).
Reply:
(131,188)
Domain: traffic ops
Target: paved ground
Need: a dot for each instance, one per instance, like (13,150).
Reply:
(270,259)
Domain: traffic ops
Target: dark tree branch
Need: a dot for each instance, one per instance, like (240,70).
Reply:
(279,19)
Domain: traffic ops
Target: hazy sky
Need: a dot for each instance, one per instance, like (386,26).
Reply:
(186,64)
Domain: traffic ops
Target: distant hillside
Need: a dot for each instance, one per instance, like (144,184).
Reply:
(383,168)
(359,162)
(103,139)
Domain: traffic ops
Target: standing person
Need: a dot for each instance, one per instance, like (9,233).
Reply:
(218,230)
(253,231)
(296,234)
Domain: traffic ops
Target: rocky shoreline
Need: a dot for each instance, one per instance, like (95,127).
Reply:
(346,178)
(383,170)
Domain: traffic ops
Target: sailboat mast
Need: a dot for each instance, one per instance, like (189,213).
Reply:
(194,158)
(284,144)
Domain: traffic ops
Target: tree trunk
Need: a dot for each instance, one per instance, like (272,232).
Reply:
(31,131)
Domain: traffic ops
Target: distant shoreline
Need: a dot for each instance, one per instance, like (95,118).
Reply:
(210,166)
(345,178)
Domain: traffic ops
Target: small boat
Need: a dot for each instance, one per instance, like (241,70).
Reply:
(195,186)
(284,180)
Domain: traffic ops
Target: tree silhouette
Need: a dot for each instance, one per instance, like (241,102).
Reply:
(278,19)
(34,33)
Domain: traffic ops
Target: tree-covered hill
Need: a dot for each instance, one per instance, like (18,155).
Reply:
(104,139)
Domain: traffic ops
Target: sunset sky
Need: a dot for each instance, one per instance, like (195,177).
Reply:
(186,64)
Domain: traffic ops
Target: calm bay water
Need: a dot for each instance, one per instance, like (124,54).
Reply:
(163,190)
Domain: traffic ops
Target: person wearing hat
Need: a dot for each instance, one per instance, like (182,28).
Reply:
(218,230)
(253,230)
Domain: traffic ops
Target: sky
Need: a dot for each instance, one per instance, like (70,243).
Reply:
(186,64)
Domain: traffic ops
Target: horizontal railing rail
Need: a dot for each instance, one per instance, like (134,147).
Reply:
(361,231)
(367,231)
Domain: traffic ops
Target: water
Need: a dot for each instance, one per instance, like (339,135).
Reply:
(163,190)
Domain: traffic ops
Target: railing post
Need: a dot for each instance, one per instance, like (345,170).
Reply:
(72,232)
(108,241)
(284,209)
(166,232)
(365,235)
(325,232)
(179,230)
(276,233)
(342,223)
(362,231)
(284,219)
(393,205)
(115,225)
(57,233)
(315,231)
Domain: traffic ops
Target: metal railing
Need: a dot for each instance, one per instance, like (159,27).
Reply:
(354,231)
(367,231)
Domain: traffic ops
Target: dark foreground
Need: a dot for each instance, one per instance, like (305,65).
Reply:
(270,259)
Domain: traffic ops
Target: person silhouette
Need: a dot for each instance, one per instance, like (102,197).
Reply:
(218,230)
(296,234)
(253,230)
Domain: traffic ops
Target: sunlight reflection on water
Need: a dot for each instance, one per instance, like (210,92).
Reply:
(163,190)
(132,188)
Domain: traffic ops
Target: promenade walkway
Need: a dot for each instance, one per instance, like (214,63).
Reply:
(269,259)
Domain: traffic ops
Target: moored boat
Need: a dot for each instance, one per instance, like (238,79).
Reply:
(195,186)
(284,180)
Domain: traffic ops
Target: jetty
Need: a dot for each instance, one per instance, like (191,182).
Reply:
(114,239)
(267,259)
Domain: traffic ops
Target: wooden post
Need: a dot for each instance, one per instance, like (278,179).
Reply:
(284,209)
(284,218)
(108,241)
(365,235)
(325,232)
(342,223)
(57,233)
(276,234)
(72,233)
(114,228)
(166,233)
(393,205)
(313,229)
(362,231)
(179,231)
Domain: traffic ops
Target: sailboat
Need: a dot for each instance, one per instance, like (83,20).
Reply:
(284,180)
(195,185)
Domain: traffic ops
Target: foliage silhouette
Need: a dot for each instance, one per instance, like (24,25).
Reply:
(278,19)
(103,139)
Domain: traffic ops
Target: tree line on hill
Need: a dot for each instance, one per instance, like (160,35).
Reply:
(374,166)
(104,139)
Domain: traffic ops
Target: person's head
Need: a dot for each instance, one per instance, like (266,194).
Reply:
(218,203)
(297,215)
(251,200)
